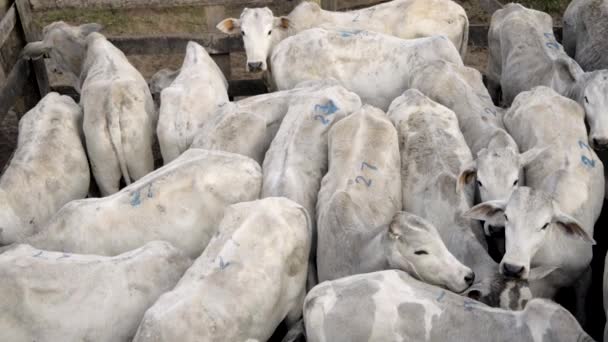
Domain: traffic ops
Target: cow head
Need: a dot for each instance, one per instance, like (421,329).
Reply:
(416,247)
(66,45)
(528,217)
(498,169)
(260,30)
(594,98)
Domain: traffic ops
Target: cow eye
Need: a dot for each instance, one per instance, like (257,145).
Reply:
(506,217)
(479,184)
(243,33)
(421,252)
(586,100)
(545,226)
(515,183)
(269,32)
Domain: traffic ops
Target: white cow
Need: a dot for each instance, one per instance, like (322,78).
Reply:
(190,101)
(605,295)
(333,55)
(433,150)
(550,224)
(182,202)
(50,296)
(585,23)
(524,54)
(406,19)
(296,161)
(250,278)
(119,113)
(48,169)
(248,126)
(498,168)
(392,306)
(360,226)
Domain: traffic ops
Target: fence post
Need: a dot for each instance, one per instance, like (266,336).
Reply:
(31,35)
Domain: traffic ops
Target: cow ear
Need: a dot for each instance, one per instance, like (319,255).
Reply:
(282,23)
(530,155)
(570,226)
(86,29)
(230,26)
(501,139)
(493,211)
(467,175)
(35,50)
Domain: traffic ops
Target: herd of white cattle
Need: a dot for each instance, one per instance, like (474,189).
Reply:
(354,203)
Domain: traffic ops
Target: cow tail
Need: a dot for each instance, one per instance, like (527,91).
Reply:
(115,130)
(464,44)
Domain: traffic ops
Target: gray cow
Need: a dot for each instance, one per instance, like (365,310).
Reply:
(585,27)
(392,306)
(119,114)
(48,169)
(524,54)
(498,168)
(559,211)
(433,150)
(251,277)
(50,296)
(182,202)
(360,226)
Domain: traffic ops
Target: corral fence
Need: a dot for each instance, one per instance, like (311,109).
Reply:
(23,83)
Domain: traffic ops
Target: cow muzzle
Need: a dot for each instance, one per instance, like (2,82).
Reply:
(256,66)
(599,143)
(512,270)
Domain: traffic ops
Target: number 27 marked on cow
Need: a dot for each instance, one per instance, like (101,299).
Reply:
(586,160)
(361,179)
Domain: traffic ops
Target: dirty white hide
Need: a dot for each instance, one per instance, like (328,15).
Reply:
(296,161)
(48,169)
(119,113)
(585,25)
(524,54)
(375,66)
(251,277)
(433,150)
(190,101)
(498,166)
(182,202)
(360,226)
(392,306)
(51,296)
(552,224)
(406,19)
(248,126)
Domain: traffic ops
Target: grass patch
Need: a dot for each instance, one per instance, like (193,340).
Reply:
(132,21)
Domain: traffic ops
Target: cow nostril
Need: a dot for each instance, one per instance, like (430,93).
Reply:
(514,271)
(470,278)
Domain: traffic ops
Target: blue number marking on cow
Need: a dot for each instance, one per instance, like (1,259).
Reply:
(322,119)
(548,35)
(490,111)
(223,265)
(150,193)
(468,305)
(356,18)
(65,255)
(441,295)
(135,198)
(365,181)
(364,164)
(552,45)
(587,161)
(327,109)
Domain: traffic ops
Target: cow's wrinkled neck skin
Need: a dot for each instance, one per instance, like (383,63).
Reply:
(375,254)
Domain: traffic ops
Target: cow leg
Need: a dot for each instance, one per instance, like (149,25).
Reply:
(104,164)
(137,143)
(581,289)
